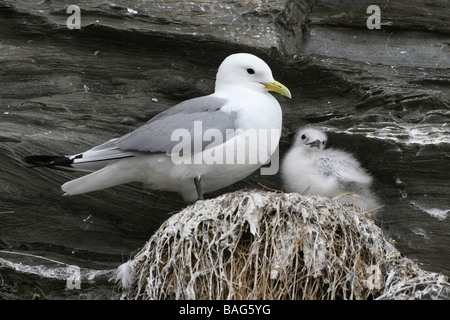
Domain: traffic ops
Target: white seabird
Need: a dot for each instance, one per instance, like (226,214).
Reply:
(309,168)
(197,146)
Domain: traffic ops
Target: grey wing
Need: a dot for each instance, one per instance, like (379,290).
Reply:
(344,168)
(326,166)
(98,157)
(192,117)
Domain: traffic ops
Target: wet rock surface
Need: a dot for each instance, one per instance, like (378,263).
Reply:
(382,94)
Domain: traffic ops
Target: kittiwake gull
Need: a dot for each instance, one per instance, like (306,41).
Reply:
(197,146)
(309,168)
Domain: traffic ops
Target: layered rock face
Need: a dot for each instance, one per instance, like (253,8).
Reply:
(383,94)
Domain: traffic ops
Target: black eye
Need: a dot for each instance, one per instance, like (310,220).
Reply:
(303,137)
(323,142)
(250,71)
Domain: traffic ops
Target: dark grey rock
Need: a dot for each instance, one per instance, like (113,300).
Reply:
(382,94)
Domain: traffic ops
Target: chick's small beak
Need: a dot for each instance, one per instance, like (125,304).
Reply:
(278,88)
(315,143)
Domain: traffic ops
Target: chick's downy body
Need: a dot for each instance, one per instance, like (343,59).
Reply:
(309,168)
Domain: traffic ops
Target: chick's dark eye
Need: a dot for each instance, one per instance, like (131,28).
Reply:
(303,137)
(323,142)
(250,71)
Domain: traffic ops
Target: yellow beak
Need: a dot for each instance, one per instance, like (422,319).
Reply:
(278,88)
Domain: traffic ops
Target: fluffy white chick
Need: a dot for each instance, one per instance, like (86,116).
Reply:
(309,168)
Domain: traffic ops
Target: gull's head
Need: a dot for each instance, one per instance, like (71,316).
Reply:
(310,139)
(247,71)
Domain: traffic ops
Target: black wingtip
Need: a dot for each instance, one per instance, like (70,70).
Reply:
(48,161)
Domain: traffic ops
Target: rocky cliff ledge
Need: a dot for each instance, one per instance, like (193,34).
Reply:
(383,94)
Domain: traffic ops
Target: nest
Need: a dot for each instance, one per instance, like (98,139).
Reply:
(265,245)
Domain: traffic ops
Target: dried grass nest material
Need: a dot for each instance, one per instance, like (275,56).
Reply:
(265,245)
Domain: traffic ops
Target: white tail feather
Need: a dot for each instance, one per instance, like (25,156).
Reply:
(107,177)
